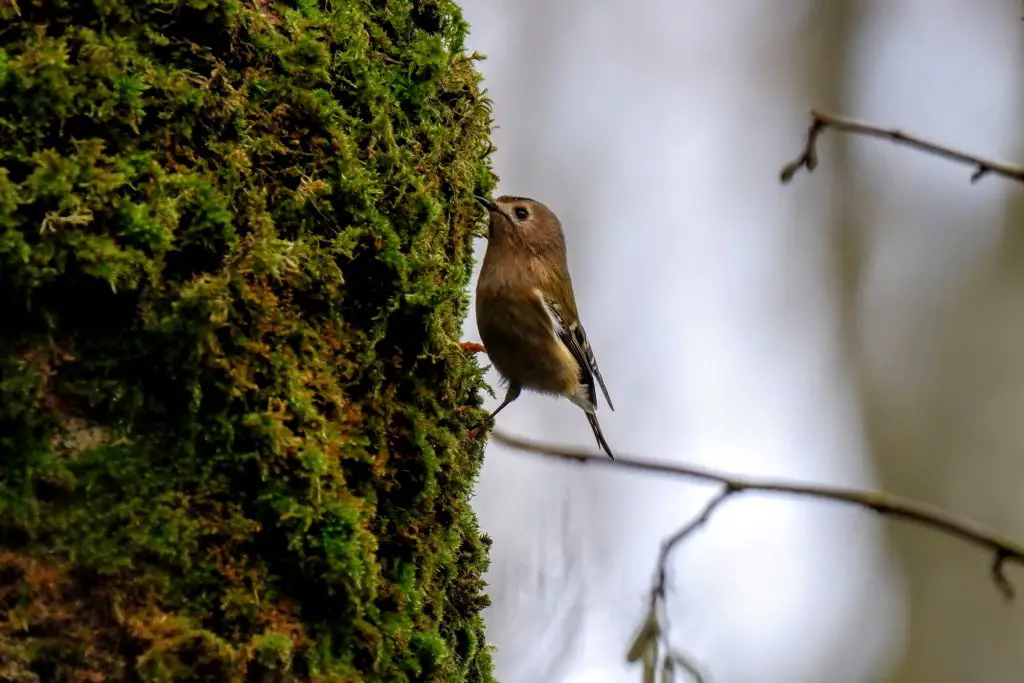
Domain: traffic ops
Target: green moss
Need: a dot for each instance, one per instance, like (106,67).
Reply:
(235,244)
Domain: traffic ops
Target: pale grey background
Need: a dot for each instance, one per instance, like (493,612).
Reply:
(863,325)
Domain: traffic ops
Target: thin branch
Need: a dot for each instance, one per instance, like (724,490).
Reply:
(678,537)
(822,121)
(1002,549)
(673,657)
(677,659)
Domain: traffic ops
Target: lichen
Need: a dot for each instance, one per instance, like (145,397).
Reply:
(235,243)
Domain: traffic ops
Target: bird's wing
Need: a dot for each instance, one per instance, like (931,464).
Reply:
(574,337)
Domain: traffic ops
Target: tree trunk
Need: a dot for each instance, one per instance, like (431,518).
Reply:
(235,243)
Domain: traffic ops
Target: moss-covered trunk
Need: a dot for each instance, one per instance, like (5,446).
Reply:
(234,252)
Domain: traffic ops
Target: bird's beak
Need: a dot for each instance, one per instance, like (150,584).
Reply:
(488,204)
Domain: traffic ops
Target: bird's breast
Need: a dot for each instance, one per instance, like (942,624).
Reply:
(520,344)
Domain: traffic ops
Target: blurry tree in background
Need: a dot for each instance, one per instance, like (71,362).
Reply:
(936,362)
(938,358)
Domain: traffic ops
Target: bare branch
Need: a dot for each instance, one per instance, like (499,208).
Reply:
(822,121)
(675,539)
(676,659)
(1002,549)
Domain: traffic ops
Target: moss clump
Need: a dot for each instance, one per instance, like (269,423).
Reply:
(234,250)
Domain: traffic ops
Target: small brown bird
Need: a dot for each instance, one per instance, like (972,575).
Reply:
(526,311)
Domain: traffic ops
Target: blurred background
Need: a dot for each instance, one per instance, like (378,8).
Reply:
(861,326)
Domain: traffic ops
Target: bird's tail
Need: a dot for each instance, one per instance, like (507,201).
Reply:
(596,427)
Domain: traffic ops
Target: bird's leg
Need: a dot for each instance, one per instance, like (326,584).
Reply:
(512,394)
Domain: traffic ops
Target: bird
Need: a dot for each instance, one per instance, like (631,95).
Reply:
(526,311)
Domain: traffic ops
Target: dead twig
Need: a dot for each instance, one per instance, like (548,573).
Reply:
(822,121)
(651,647)
(1003,550)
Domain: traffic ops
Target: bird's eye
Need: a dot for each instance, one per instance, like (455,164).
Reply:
(521,213)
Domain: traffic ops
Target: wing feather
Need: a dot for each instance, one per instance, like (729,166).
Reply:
(574,338)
